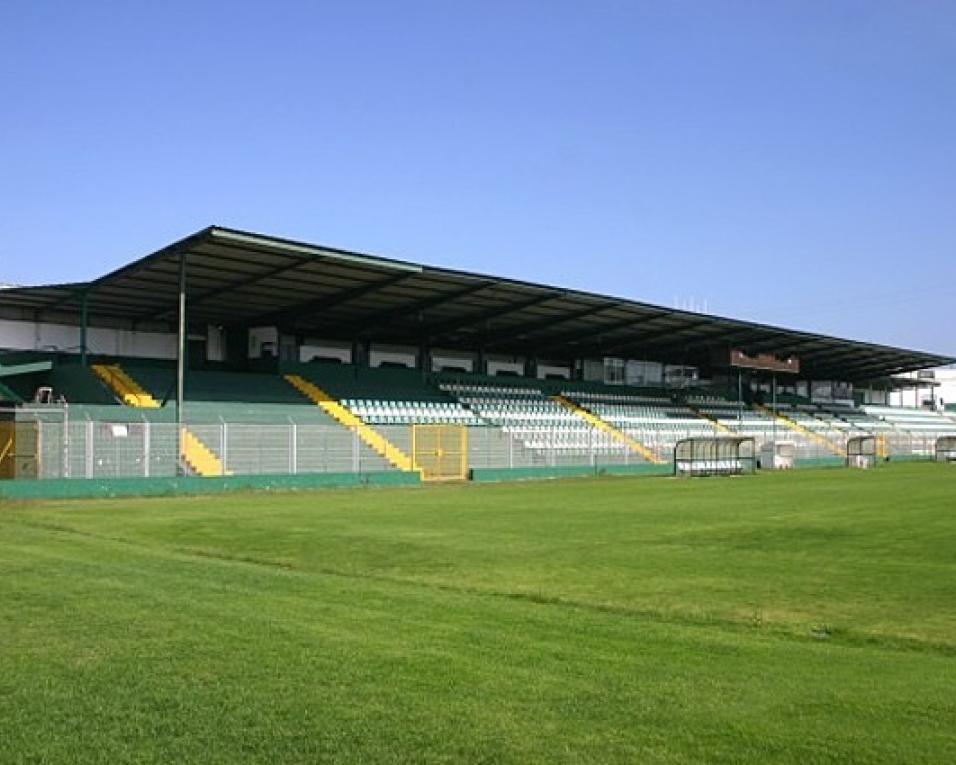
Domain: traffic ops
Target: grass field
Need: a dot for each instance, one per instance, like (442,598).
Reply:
(802,617)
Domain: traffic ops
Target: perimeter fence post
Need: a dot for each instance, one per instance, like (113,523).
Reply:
(66,441)
(146,447)
(89,448)
(225,445)
(356,467)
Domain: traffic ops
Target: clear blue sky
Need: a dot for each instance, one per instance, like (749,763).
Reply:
(789,162)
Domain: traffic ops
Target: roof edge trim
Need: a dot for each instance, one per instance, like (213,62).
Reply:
(303,249)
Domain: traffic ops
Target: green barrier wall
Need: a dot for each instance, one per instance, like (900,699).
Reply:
(571,471)
(818,462)
(69,488)
(911,458)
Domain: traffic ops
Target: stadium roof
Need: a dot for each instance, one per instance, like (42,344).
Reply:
(239,277)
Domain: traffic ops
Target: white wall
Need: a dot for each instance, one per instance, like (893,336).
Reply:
(505,364)
(945,390)
(443,358)
(42,336)
(394,354)
(312,347)
(549,369)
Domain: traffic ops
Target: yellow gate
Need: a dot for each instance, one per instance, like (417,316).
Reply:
(440,452)
(7,449)
(19,450)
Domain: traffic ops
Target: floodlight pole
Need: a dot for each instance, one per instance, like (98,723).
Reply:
(180,363)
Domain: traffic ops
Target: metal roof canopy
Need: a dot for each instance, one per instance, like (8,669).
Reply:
(236,277)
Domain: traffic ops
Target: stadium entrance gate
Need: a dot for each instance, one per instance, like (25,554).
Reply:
(861,451)
(19,450)
(440,452)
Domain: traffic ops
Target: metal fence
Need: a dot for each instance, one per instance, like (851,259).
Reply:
(53,446)
(93,449)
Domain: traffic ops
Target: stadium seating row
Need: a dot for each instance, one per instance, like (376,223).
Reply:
(526,422)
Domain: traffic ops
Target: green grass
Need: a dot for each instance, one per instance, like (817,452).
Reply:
(801,617)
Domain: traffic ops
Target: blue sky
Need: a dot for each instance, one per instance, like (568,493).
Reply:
(788,162)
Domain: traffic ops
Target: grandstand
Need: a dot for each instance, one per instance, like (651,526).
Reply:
(234,354)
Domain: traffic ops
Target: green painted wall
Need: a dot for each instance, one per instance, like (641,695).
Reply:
(63,488)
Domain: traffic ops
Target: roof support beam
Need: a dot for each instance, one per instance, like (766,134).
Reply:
(815,363)
(443,328)
(638,338)
(730,340)
(523,331)
(173,250)
(238,284)
(865,371)
(312,307)
(418,306)
(597,332)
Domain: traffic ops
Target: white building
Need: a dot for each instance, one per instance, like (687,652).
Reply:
(939,391)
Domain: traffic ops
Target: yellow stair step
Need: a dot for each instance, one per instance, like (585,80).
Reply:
(200,457)
(124,386)
(344,417)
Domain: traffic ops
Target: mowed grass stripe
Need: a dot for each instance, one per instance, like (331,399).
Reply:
(755,620)
(120,643)
(864,554)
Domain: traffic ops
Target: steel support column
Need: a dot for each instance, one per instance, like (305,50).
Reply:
(181,364)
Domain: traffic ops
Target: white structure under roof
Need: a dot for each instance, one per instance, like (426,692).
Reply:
(937,392)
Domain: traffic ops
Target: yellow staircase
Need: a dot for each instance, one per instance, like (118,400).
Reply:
(195,453)
(594,421)
(796,427)
(7,445)
(200,457)
(716,423)
(372,438)
(129,391)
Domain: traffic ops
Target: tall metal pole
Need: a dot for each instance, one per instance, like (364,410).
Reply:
(740,400)
(84,320)
(774,388)
(180,363)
